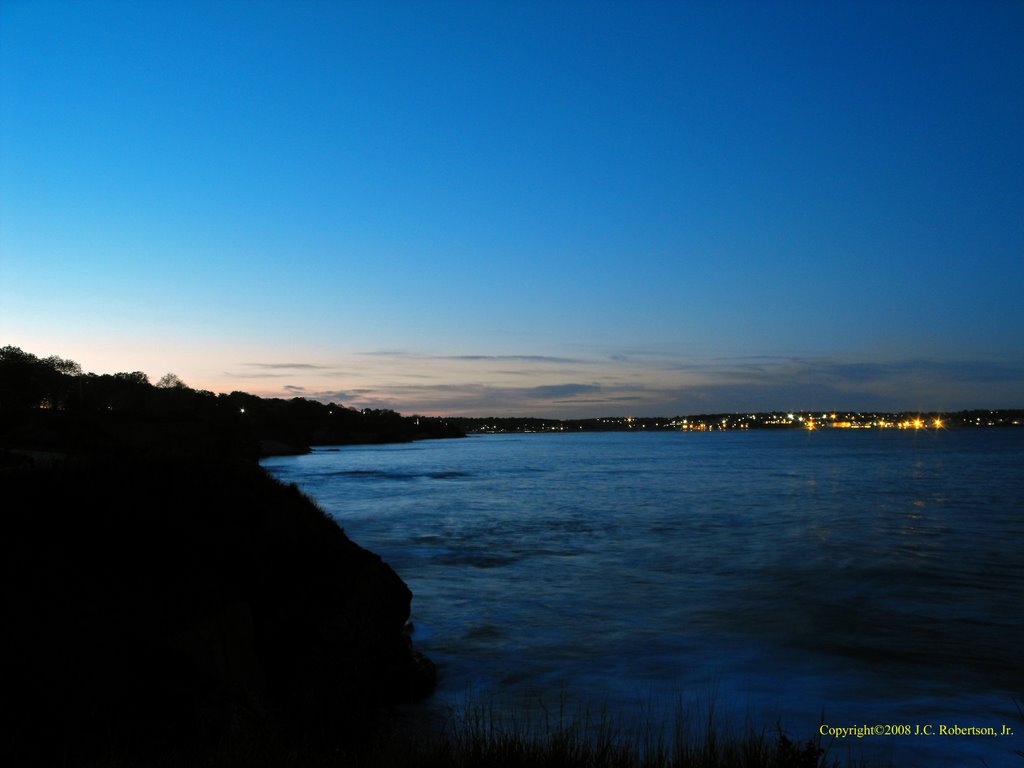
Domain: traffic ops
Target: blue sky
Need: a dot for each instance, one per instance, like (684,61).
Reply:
(566,209)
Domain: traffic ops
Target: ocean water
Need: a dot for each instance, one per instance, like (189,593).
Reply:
(857,578)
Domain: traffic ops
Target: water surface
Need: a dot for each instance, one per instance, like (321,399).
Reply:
(875,577)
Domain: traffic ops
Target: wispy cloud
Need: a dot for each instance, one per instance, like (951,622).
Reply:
(330,396)
(720,385)
(631,383)
(288,366)
(565,399)
(515,358)
(386,353)
(475,358)
(560,391)
(770,383)
(256,375)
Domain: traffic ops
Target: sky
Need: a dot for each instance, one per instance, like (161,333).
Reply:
(562,209)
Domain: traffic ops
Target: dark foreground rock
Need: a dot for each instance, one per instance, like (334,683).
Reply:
(149,605)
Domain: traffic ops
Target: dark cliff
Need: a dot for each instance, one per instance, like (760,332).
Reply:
(172,602)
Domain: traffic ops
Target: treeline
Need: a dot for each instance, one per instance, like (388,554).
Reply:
(50,404)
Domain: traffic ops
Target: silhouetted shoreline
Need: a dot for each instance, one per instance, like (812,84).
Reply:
(50,405)
(163,593)
(771,420)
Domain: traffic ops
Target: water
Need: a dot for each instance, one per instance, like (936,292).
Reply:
(871,577)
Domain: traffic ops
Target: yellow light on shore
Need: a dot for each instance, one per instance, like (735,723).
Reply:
(937,423)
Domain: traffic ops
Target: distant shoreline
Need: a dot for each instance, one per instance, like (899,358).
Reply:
(771,420)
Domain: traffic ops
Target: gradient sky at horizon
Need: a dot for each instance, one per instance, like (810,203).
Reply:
(563,209)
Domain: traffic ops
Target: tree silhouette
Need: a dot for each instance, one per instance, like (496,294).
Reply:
(171,381)
(28,382)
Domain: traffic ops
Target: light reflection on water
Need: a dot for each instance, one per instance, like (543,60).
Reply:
(876,576)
